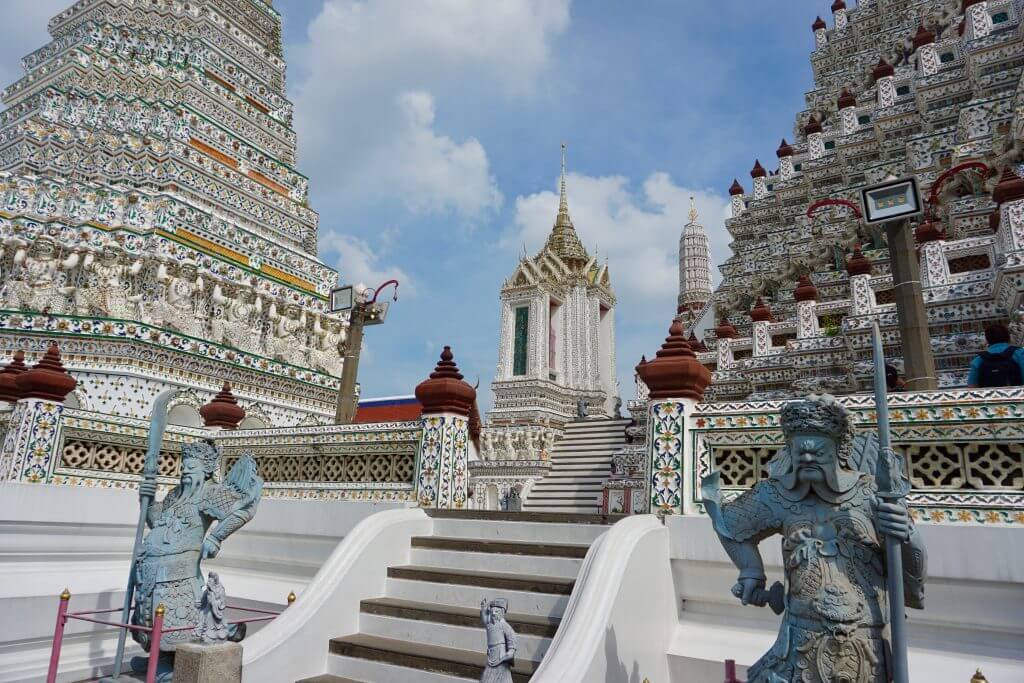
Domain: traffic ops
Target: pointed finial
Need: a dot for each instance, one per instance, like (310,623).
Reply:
(693,211)
(563,202)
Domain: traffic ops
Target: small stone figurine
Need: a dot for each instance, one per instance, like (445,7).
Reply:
(501,641)
(618,408)
(581,409)
(212,627)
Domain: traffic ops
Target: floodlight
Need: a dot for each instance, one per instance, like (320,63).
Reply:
(893,199)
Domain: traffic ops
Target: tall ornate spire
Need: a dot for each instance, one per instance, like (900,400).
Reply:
(694,266)
(563,239)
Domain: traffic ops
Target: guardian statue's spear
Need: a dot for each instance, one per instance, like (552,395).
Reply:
(892,490)
(157,424)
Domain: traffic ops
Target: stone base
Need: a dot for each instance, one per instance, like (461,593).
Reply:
(201,663)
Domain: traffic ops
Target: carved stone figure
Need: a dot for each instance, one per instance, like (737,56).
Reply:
(581,409)
(238,326)
(328,350)
(487,446)
(530,451)
(617,412)
(38,281)
(167,569)
(821,497)
(178,308)
(106,290)
(510,445)
(501,641)
(288,343)
(213,627)
(547,443)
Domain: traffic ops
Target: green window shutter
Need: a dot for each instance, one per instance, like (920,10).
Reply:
(522,335)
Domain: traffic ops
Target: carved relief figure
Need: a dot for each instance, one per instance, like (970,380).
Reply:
(288,343)
(107,287)
(821,497)
(39,278)
(501,641)
(167,569)
(326,353)
(239,324)
(178,308)
(212,626)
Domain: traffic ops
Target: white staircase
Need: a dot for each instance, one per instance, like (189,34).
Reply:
(581,462)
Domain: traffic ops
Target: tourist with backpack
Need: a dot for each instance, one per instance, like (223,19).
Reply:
(1002,365)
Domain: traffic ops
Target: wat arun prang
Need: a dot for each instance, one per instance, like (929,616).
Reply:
(152,219)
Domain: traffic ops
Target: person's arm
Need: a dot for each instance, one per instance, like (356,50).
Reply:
(972,376)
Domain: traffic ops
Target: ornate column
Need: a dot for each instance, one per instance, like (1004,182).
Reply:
(31,447)
(442,464)
(806,295)
(885,82)
(815,138)
(223,411)
(785,155)
(839,14)
(847,104)
(676,381)
(761,316)
(736,198)
(977,21)
(820,35)
(9,393)
(862,297)
(927,55)
(760,177)
(725,333)
(1009,195)
(931,260)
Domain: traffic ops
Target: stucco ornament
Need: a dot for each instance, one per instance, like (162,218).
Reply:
(240,320)
(107,285)
(39,276)
(821,496)
(288,343)
(328,349)
(167,569)
(501,641)
(178,306)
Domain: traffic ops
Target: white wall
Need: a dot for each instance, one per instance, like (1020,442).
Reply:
(973,616)
(56,537)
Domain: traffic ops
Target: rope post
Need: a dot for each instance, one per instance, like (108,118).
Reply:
(154,643)
(291,598)
(730,671)
(58,635)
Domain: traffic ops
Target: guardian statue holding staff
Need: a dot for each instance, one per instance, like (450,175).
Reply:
(823,497)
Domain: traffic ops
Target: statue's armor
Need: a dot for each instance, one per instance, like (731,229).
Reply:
(106,293)
(237,327)
(36,288)
(835,623)
(177,308)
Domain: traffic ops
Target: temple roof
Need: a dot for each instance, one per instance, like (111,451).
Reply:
(563,239)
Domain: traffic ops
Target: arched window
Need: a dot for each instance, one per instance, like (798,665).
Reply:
(184,415)
(253,423)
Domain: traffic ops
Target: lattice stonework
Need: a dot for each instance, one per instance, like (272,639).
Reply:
(964,449)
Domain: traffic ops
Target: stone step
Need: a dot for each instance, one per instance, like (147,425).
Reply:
(471,638)
(545,605)
(523,624)
(574,509)
(464,663)
(502,547)
(328,678)
(574,478)
(495,580)
(558,492)
(562,567)
(584,425)
(376,671)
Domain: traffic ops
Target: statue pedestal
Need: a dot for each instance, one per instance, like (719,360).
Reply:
(214,663)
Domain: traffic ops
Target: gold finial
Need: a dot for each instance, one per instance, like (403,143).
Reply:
(66,595)
(160,610)
(291,597)
(693,211)
(563,202)
(978,677)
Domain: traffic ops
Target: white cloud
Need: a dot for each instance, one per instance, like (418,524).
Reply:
(376,74)
(638,231)
(358,262)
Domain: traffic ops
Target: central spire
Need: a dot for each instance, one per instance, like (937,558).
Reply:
(693,212)
(563,239)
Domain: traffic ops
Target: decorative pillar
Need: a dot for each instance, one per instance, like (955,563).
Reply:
(223,411)
(761,317)
(785,155)
(806,296)
(1009,195)
(820,36)
(815,138)
(839,14)
(442,474)
(31,447)
(725,333)
(736,198)
(885,82)
(760,177)
(676,381)
(847,104)
(862,296)
(927,55)
(978,22)
(932,262)
(8,379)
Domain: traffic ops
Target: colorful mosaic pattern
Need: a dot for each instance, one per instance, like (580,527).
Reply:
(442,470)
(667,424)
(30,446)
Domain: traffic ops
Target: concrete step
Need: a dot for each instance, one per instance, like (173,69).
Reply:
(375,671)
(562,567)
(436,634)
(573,478)
(584,425)
(568,532)
(552,585)
(563,492)
(563,508)
(546,605)
(415,656)
(523,624)
(502,547)
(328,678)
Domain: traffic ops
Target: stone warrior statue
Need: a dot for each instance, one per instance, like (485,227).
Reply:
(167,569)
(501,641)
(821,497)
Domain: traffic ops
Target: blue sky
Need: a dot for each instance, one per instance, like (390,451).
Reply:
(430,131)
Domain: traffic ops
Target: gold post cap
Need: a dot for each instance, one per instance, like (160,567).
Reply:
(160,610)
(66,595)
(978,677)
(291,597)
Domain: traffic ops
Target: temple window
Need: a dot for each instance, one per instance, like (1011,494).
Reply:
(519,340)
(885,296)
(902,90)
(798,167)
(1000,18)
(781,339)
(830,144)
(947,57)
(863,119)
(554,337)
(966,264)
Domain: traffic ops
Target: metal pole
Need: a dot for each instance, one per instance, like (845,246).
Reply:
(157,424)
(918,363)
(346,410)
(58,636)
(891,492)
(154,643)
